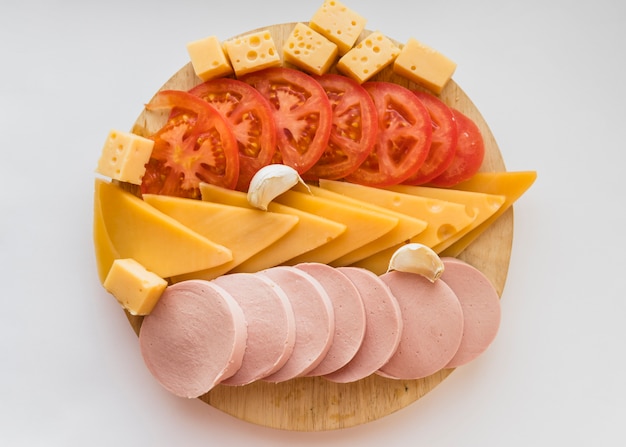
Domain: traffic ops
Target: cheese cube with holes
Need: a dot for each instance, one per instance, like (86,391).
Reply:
(339,24)
(136,288)
(423,65)
(309,50)
(124,157)
(208,58)
(252,52)
(370,56)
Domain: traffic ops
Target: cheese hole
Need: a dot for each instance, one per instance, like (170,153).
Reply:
(445,231)
(255,41)
(252,55)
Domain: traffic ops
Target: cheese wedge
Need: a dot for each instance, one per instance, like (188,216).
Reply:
(509,184)
(158,242)
(244,231)
(478,204)
(362,226)
(105,252)
(310,232)
(407,228)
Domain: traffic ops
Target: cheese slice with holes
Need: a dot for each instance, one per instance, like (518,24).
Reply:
(244,231)
(369,57)
(254,51)
(362,226)
(309,50)
(160,243)
(338,23)
(310,232)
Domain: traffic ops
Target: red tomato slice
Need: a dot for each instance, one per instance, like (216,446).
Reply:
(302,114)
(468,156)
(251,119)
(403,139)
(443,142)
(354,128)
(195,145)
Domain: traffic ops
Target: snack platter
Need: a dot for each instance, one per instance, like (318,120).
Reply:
(313,403)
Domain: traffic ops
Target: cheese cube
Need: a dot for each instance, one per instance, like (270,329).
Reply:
(252,52)
(339,24)
(309,50)
(208,58)
(124,157)
(136,288)
(370,56)
(423,65)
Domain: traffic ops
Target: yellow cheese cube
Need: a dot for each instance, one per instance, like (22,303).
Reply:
(208,58)
(136,288)
(124,157)
(370,56)
(423,65)
(309,50)
(338,23)
(252,52)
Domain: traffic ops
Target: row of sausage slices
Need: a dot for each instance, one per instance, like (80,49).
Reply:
(311,319)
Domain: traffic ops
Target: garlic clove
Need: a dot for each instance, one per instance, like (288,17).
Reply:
(417,258)
(270,182)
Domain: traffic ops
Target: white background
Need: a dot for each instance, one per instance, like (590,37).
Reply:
(548,76)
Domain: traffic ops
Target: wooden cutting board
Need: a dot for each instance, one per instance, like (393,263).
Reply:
(315,404)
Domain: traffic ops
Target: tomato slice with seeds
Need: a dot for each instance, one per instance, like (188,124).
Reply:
(354,128)
(251,119)
(403,139)
(468,156)
(443,142)
(195,145)
(302,114)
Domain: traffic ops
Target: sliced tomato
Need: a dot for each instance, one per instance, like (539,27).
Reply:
(302,114)
(195,145)
(354,128)
(468,156)
(443,142)
(251,119)
(403,138)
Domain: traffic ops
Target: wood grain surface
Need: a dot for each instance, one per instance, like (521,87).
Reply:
(315,404)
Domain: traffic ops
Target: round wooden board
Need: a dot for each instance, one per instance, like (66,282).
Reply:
(315,404)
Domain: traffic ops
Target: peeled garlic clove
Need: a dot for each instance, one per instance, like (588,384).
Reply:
(270,182)
(417,258)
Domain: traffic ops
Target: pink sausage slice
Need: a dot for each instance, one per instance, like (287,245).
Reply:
(271,325)
(383,327)
(481,309)
(349,316)
(433,326)
(315,321)
(194,338)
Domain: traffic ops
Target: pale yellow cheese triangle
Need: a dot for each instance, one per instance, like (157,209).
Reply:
(362,226)
(244,231)
(408,227)
(310,232)
(478,204)
(104,250)
(160,243)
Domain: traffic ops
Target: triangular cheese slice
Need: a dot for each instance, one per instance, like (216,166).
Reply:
(363,226)
(158,242)
(105,252)
(509,184)
(407,228)
(478,204)
(244,231)
(310,232)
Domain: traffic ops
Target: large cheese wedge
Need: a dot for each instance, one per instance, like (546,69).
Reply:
(363,226)
(244,231)
(158,242)
(509,184)
(407,228)
(310,232)
(478,204)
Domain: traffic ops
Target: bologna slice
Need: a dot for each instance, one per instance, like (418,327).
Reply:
(349,316)
(481,309)
(271,325)
(383,327)
(315,321)
(194,338)
(433,326)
